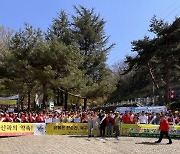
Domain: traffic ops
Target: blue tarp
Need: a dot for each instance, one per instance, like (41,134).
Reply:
(15,97)
(148,109)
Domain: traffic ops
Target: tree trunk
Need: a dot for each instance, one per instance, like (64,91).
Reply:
(55,96)
(22,103)
(152,76)
(167,79)
(58,97)
(29,100)
(18,104)
(34,107)
(85,103)
(66,100)
(61,94)
(155,84)
(44,95)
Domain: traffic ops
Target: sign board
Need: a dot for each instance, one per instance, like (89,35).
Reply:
(16,129)
(19,129)
(148,109)
(8,102)
(15,97)
(11,109)
(12,100)
(48,120)
(39,128)
(77,120)
(147,130)
(67,128)
(51,105)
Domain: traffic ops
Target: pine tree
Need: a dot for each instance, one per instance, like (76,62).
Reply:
(89,34)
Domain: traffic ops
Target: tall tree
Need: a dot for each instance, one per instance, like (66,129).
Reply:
(19,73)
(66,57)
(88,30)
(167,51)
(160,55)
(60,29)
(65,62)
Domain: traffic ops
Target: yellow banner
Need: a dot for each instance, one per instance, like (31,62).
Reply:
(8,102)
(16,129)
(125,129)
(67,128)
(146,130)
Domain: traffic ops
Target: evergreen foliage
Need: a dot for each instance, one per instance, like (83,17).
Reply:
(156,63)
(69,58)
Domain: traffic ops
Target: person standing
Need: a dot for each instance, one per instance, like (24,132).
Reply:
(131,117)
(109,124)
(171,120)
(164,129)
(117,121)
(96,122)
(90,124)
(143,119)
(40,118)
(126,118)
(102,123)
(157,119)
(152,118)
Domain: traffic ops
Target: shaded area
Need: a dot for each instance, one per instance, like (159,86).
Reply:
(8,136)
(78,136)
(149,143)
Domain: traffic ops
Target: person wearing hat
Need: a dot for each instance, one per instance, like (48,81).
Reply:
(117,121)
(164,129)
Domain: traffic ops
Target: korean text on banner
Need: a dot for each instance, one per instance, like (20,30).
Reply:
(145,130)
(8,102)
(67,128)
(148,109)
(16,129)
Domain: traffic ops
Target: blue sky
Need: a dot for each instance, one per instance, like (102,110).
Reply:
(127,20)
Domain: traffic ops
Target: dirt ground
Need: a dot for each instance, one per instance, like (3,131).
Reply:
(65,144)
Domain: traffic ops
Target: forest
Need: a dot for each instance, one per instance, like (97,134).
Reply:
(67,63)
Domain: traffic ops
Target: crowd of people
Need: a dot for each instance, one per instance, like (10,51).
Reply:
(99,120)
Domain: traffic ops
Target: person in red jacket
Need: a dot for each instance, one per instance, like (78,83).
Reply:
(10,118)
(164,129)
(23,119)
(40,118)
(109,124)
(126,118)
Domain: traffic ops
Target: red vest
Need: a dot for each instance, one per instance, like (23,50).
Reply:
(10,119)
(126,119)
(40,119)
(23,118)
(164,126)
